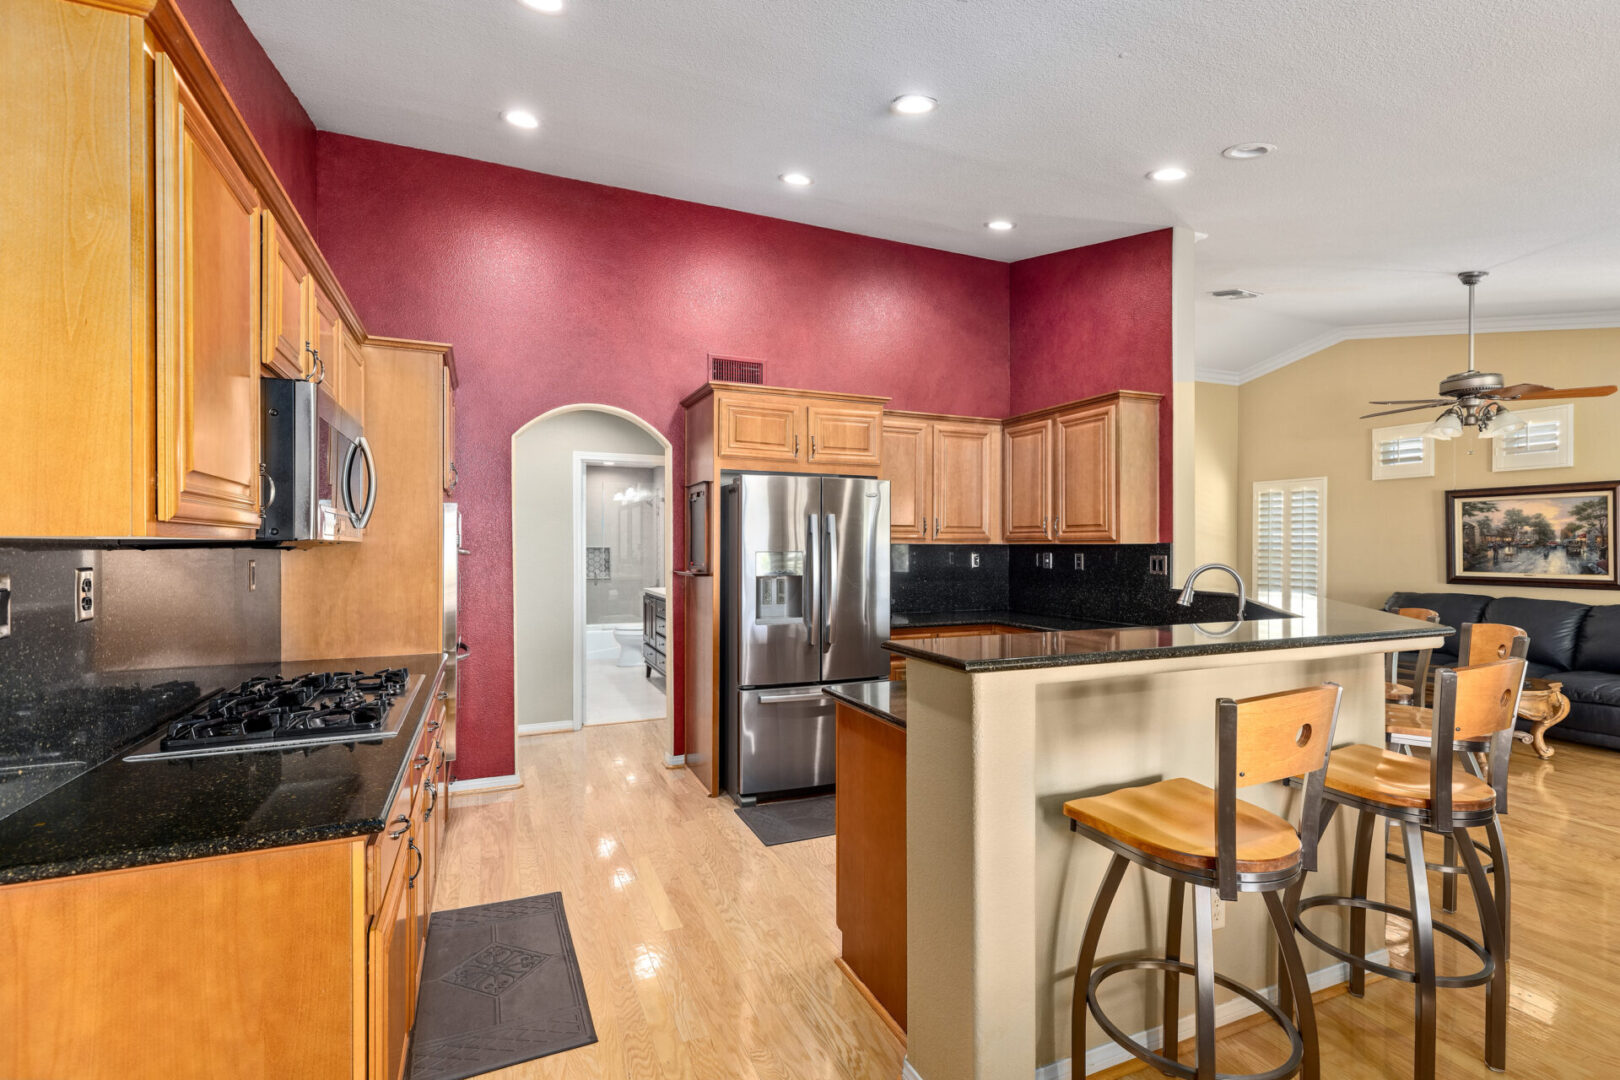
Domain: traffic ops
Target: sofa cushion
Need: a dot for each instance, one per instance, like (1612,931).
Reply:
(1454,608)
(1553,626)
(1598,648)
(1593,687)
(1589,723)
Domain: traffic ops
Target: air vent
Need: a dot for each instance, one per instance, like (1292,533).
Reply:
(1234,294)
(736,369)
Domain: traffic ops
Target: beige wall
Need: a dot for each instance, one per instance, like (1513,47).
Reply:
(1215,475)
(542,553)
(1385,535)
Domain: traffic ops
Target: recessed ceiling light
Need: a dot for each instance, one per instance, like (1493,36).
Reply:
(521,118)
(796,179)
(550,7)
(1168,175)
(913,104)
(1234,294)
(1243,151)
(998,225)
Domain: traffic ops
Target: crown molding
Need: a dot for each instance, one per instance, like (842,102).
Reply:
(1501,324)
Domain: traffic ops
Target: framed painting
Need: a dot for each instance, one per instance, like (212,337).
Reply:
(1548,536)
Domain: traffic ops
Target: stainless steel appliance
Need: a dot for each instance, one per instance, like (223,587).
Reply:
(320,479)
(275,713)
(805,599)
(451,551)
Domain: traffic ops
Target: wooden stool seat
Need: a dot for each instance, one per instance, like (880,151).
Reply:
(1409,721)
(1174,821)
(1373,774)
(1394,691)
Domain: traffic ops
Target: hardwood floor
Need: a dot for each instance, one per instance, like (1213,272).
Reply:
(708,956)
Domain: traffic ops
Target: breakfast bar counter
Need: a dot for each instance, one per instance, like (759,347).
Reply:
(1002,730)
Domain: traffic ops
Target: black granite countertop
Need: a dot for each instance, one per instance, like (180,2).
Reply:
(883,699)
(134,813)
(1334,624)
(1022,620)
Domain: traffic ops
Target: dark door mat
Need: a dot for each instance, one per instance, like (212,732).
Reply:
(791,819)
(500,985)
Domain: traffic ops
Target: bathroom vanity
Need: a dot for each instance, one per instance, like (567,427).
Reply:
(653,641)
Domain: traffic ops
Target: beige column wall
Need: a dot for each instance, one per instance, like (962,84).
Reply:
(1217,448)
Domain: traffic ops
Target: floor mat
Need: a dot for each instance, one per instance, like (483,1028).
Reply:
(791,819)
(500,985)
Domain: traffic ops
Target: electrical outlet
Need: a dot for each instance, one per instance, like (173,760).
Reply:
(1158,564)
(1043,560)
(1217,911)
(975,560)
(253,575)
(1079,560)
(84,594)
(5,605)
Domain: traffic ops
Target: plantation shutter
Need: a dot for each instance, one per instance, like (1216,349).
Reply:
(1289,543)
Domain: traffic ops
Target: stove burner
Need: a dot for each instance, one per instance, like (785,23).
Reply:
(275,710)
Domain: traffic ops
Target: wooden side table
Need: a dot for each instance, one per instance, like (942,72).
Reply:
(1543,704)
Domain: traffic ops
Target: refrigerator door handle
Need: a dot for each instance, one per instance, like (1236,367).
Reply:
(832,581)
(812,603)
(808,695)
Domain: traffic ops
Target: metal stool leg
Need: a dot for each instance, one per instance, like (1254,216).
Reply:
(1294,987)
(1504,886)
(1417,878)
(1448,882)
(1490,921)
(1172,980)
(1088,957)
(1204,972)
(1358,889)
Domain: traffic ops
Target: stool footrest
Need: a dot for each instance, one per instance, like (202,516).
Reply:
(1175,1068)
(1477,978)
(1447,868)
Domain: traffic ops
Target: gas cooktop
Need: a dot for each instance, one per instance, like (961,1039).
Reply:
(274,713)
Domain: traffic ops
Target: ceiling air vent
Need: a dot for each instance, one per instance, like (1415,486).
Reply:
(736,369)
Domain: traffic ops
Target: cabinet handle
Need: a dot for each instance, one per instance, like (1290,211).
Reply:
(1043,523)
(936,528)
(795,446)
(422,760)
(455,479)
(444,695)
(264,475)
(812,448)
(433,789)
(318,372)
(410,882)
(397,833)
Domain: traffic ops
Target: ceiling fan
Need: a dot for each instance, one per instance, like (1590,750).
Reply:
(1474,398)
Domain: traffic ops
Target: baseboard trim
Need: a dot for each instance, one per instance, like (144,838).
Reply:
(1109,1055)
(551,728)
(485,783)
(674,761)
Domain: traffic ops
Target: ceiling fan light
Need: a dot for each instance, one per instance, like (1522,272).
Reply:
(1446,427)
(1505,422)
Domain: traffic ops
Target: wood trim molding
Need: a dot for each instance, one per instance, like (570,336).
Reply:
(174,37)
(709,388)
(420,346)
(1095,399)
(139,8)
(940,418)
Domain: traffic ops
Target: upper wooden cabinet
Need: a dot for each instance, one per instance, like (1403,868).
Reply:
(447,431)
(207,319)
(289,307)
(766,429)
(1026,486)
(943,473)
(346,370)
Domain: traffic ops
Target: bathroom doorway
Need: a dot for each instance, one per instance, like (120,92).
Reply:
(619,565)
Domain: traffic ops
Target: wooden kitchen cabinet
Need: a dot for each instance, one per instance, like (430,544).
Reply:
(447,431)
(845,433)
(206,216)
(391,946)
(944,476)
(768,429)
(324,324)
(347,369)
(760,427)
(908,466)
(1026,491)
(288,305)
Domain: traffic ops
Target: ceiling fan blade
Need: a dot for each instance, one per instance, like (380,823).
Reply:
(1511,393)
(1416,401)
(1573,391)
(1409,408)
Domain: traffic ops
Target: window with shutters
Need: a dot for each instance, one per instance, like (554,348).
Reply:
(1401,452)
(1290,559)
(1547,440)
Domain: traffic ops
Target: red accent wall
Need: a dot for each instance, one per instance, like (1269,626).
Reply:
(1095,319)
(283,129)
(557,291)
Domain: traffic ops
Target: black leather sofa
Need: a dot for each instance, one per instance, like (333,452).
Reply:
(1576,644)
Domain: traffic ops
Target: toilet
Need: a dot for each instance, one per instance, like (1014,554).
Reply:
(628,637)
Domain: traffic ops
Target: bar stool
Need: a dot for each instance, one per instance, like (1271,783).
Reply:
(1397,692)
(1406,727)
(1472,704)
(1215,842)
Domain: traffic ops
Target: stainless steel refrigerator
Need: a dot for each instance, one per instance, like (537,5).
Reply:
(805,601)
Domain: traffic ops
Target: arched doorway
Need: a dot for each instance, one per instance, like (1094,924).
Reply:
(586,481)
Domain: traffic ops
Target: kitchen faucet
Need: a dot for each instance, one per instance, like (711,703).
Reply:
(1192,578)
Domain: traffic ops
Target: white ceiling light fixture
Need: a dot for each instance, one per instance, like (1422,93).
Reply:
(913,104)
(1168,174)
(1247,151)
(795,179)
(1474,399)
(999,225)
(1234,294)
(550,7)
(521,118)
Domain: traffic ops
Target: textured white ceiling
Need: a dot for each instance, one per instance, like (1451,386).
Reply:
(1417,137)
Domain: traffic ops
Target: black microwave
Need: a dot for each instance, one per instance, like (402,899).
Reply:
(320,478)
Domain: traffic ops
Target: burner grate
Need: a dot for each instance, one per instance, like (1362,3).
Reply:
(261,710)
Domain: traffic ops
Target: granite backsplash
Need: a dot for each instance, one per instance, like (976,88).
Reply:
(1111,583)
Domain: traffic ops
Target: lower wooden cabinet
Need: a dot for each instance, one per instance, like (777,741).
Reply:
(391,950)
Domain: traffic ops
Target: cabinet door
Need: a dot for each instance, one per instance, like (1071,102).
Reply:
(1087,495)
(964,482)
(844,434)
(323,337)
(1026,491)
(288,298)
(447,432)
(392,952)
(759,426)
(348,368)
(907,463)
(207,324)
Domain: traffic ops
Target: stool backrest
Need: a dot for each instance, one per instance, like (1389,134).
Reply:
(1473,704)
(1482,642)
(1420,668)
(1267,738)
